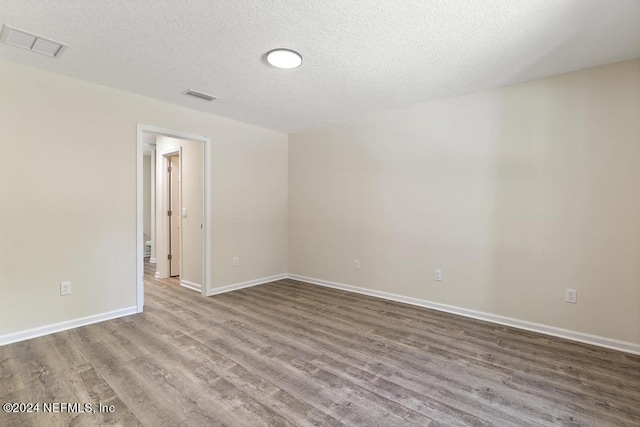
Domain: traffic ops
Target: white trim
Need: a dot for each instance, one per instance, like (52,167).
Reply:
(63,326)
(147,254)
(180,225)
(152,260)
(625,346)
(247,284)
(152,208)
(139,219)
(207,165)
(191,285)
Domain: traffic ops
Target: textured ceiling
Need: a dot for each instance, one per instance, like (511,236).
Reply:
(360,56)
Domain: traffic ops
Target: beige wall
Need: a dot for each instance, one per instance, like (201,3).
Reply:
(251,210)
(515,193)
(69,170)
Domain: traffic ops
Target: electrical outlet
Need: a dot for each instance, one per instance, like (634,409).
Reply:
(356,264)
(571,296)
(236,261)
(437,275)
(65,288)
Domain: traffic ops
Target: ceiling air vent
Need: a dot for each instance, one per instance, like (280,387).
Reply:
(32,42)
(200,95)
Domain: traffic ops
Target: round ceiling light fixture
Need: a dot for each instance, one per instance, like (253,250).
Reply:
(284,58)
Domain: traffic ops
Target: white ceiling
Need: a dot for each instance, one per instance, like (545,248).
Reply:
(360,56)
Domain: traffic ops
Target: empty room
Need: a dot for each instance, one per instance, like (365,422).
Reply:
(360,213)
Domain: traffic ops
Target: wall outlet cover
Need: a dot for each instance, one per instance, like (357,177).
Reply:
(571,296)
(65,288)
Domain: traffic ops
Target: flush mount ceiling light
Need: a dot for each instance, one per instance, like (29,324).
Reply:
(284,58)
(32,42)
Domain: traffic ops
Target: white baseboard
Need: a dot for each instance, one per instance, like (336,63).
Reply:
(248,284)
(624,346)
(627,347)
(63,326)
(153,260)
(191,285)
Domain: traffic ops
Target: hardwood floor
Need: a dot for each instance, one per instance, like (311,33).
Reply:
(289,353)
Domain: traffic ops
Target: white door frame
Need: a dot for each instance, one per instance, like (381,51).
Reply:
(206,253)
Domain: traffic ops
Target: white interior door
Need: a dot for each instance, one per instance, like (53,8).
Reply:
(174,215)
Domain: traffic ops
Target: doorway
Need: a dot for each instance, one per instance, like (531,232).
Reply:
(187,237)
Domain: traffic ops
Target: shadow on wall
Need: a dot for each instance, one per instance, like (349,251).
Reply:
(564,206)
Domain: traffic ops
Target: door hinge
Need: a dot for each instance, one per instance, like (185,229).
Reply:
(169,213)
(169,169)
(169,257)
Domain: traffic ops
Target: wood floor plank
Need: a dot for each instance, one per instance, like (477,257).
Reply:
(338,345)
(290,353)
(280,343)
(631,383)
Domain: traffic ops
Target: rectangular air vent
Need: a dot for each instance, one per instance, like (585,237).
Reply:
(200,95)
(34,43)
